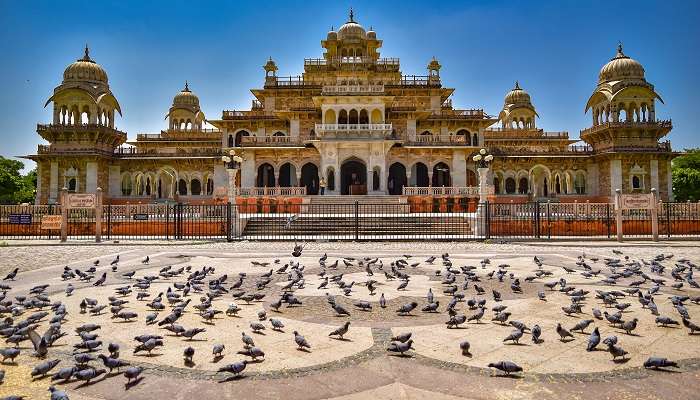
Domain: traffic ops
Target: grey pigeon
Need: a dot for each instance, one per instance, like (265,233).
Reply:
(342,330)
(88,374)
(464,346)
(407,308)
(563,333)
(339,310)
(400,347)
(514,336)
(382,301)
(247,340)
(690,325)
(235,368)
(403,337)
(582,325)
(64,373)
(277,325)
(191,333)
(536,333)
(9,352)
(659,362)
(593,340)
(57,394)
(188,353)
(508,367)
(43,368)
(132,373)
(301,341)
(253,352)
(616,351)
(112,363)
(630,325)
(218,349)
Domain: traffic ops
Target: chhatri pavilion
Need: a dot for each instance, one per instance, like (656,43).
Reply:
(356,121)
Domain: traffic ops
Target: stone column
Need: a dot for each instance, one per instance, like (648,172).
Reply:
(654,173)
(370,179)
(615,176)
(294,128)
(458,170)
(411,129)
(483,184)
(248,170)
(91,177)
(53,182)
(669,181)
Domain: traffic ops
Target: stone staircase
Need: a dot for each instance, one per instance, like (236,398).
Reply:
(365,199)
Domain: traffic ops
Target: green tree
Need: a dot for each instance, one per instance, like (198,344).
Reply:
(14,187)
(686,176)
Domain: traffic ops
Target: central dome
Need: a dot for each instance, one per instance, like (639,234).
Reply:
(621,67)
(517,96)
(351,29)
(186,97)
(85,69)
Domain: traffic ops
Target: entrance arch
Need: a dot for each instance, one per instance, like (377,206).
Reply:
(352,172)
(288,175)
(309,178)
(419,175)
(441,175)
(397,178)
(266,175)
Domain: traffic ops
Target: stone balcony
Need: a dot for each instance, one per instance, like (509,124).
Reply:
(353,89)
(439,141)
(354,131)
(273,141)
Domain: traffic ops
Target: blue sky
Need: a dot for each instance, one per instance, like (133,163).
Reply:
(149,48)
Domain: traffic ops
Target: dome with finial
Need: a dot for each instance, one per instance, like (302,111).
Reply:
(332,34)
(434,64)
(270,65)
(621,67)
(351,29)
(517,96)
(186,97)
(371,34)
(85,69)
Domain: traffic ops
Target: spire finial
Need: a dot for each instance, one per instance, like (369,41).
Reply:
(517,85)
(352,15)
(86,57)
(619,49)
(332,28)
(187,87)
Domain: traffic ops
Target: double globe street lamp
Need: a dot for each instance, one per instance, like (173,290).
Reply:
(232,162)
(482,161)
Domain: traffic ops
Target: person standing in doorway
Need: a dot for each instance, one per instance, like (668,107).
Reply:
(322,185)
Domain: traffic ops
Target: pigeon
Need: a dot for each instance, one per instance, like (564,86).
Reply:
(88,374)
(666,321)
(64,374)
(277,325)
(690,325)
(43,368)
(536,333)
(593,340)
(400,347)
(563,333)
(253,352)
(508,367)
(456,321)
(514,336)
(247,340)
(12,275)
(235,368)
(431,307)
(191,333)
(218,349)
(339,310)
(616,351)
(464,346)
(382,301)
(132,373)
(582,325)
(630,325)
(9,352)
(659,362)
(112,363)
(301,341)
(342,330)
(403,338)
(477,315)
(407,308)
(188,353)
(57,394)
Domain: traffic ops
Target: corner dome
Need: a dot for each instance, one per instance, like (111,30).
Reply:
(371,34)
(517,96)
(186,97)
(85,69)
(332,35)
(351,29)
(621,67)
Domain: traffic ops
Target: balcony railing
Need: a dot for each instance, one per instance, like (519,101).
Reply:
(440,140)
(664,124)
(353,131)
(139,152)
(351,60)
(273,141)
(353,89)
(271,191)
(77,127)
(252,114)
(660,147)
(472,191)
(48,149)
(515,133)
(460,114)
(177,134)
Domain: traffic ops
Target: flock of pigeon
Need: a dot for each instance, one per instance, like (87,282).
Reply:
(92,358)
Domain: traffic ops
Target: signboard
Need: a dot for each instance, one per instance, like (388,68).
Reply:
(140,217)
(81,200)
(51,222)
(637,201)
(20,219)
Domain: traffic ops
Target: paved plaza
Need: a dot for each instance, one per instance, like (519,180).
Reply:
(535,282)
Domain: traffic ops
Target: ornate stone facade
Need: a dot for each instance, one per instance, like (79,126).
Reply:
(356,121)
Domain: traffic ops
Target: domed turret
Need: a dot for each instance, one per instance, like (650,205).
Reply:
(371,34)
(351,29)
(518,111)
(621,67)
(517,96)
(85,69)
(332,35)
(186,97)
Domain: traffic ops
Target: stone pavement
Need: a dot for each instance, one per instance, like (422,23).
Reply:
(359,367)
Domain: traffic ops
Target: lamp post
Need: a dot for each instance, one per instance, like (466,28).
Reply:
(482,161)
(232,162)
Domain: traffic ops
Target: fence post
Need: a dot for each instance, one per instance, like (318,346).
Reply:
(607,218)
(654,216)
(109,222)
(64,215)
(668,219)
(618,213)
(167,220)
(228,221)
(487,220)
(357,221)
(98,215)
(549,222)
(537,219)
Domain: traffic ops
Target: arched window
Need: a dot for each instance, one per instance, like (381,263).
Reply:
(230,141)
(330,181)
(441,175)
(557,185)
(278,133)
(364,117)
(353,117)
(343,117)
(522,186)
(196,187)
(636,182)
(375,179)
(239,137)
(126,185)
(210,187)
(463,133)
(475,140)
(510,185)
(182,187)
(72,185)
(580,184)
(148,186)
(496,185)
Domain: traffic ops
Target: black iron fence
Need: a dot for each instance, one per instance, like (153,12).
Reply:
(354,221)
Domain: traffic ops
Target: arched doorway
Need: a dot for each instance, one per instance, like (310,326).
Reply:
(309,178)
(419,174)
(441,175)
(352,172)
(471,178)
(288,175)
(266,176)
(397,178)
(239,137)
